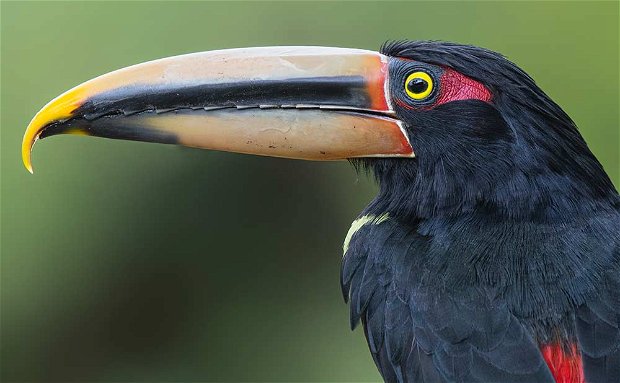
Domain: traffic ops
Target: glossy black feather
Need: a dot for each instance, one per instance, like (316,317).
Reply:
(420,329)
(598,331)
(503,236)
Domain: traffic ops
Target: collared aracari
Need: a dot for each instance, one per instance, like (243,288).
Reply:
(492,251)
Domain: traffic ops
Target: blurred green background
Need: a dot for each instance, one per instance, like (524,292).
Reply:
(126,261)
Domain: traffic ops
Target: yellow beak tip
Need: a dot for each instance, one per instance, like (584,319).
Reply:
(27,154)
(27,163)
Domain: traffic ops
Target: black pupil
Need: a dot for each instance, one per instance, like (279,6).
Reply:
(417,85)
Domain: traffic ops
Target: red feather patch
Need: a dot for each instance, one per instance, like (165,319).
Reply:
(566,366)
(455,87)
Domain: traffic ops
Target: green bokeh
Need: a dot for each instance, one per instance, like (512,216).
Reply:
(140,262)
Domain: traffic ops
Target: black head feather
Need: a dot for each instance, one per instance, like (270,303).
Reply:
(519,156)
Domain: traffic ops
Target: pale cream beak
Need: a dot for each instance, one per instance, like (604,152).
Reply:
(309,103)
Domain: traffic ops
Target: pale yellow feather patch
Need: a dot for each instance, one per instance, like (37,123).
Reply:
(359,223)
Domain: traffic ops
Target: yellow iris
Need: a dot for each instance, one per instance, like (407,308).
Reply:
(419,85)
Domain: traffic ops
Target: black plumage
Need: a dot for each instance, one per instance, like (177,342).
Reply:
(502,236)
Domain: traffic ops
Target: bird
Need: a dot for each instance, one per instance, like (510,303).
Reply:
(491,252)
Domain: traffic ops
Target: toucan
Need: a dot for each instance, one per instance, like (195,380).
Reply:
(492,250)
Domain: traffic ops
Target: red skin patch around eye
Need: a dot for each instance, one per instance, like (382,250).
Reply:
(455,86)
(566,366)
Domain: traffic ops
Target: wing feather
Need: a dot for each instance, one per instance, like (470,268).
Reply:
(598,331)
(418,332)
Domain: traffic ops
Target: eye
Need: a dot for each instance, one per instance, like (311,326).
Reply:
(419,85)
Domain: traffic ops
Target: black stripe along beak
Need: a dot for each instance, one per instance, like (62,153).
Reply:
(297,102)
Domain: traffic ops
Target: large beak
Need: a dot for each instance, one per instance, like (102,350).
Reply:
(297,102)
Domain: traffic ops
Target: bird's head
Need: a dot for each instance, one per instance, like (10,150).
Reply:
(446,128)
